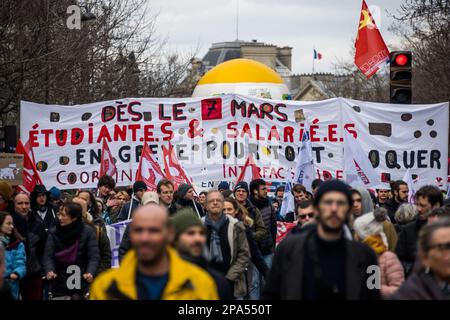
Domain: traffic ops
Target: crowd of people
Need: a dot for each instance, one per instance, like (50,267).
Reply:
(348,243)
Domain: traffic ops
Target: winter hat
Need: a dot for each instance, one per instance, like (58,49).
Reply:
(55,193)
(183,189)
(223,185)
(150,197)
(333,185)
(139,185)
(242,185)
(366,225)
(183,220)
(5,190)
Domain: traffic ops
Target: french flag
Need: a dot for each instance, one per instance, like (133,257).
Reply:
(317,55)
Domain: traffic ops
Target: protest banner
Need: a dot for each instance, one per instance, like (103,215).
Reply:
(11,168)
(213,137)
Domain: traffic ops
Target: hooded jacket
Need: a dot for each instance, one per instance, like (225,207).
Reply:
(366,200)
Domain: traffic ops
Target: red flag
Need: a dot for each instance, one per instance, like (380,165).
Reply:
(283,228)
(371,51)
(30,175)
(172,167)
(107,165)
(249,171)
(149,170)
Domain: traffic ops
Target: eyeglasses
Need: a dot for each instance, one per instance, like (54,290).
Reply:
(441,246)
(303,216)
(339,203)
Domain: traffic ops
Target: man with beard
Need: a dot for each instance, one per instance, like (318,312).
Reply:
(153,270)
(322,264)
(190,242)
(400,195)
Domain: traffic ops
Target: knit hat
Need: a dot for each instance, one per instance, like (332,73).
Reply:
(55,193)
(183,189)
(366,225)
(333,185)
(139,185)
(183,220)
(150,197)
(223,185)
(5,190)
(242,185)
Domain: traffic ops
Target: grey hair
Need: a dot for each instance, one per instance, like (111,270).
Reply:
(215,191)
(405,213)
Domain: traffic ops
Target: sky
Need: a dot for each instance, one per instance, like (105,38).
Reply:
(328,25)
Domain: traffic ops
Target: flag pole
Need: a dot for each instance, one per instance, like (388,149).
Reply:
(198,213)
(131,204)
(314,58)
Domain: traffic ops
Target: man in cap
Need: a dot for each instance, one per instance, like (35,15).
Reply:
(322,264)
(42,207)
(185,194)
(139,187)
(190,242)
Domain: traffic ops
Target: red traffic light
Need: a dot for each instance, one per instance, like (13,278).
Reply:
(401,59)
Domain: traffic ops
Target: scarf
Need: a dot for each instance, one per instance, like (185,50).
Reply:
(215,250)
(260,203)
(70,233)
(5,241)
(42,212)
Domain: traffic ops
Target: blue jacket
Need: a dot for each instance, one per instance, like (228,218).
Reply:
(15,259)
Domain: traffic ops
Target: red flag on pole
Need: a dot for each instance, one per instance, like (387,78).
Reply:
(107,165)
(149,170)
(30,175)
(371,51)
(249,171)
(172,167)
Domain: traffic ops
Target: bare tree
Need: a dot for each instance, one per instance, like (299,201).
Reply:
(425,27)
(119,54)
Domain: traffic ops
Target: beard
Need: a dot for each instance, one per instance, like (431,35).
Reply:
(329,228)
(151,261)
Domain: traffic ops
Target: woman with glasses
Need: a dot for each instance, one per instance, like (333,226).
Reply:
(431,279)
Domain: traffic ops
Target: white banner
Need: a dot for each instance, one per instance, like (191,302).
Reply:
(214,136)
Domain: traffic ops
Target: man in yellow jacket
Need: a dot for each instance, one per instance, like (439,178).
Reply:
(153,270)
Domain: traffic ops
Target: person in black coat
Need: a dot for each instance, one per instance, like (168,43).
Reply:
(70,243)
(35,238)
(185,199)
(42,207)
(190,242)
(427,199)
(139,188)
(321,264)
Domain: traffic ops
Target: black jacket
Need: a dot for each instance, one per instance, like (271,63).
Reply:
(35,240)
(270,222)
(286,275)
(420,286)
(49,219)
(224,288)
(256,256)
(391,206)
(406,249)
(88,258)
(123,214)
(125,244)
(182,203)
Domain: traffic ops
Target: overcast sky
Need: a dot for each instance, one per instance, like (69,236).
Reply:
(327,25)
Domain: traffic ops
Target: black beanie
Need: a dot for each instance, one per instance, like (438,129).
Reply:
(139,185)
(333,185)
(241,185)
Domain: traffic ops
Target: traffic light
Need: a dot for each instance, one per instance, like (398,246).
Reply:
(8,139)
(401,77)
